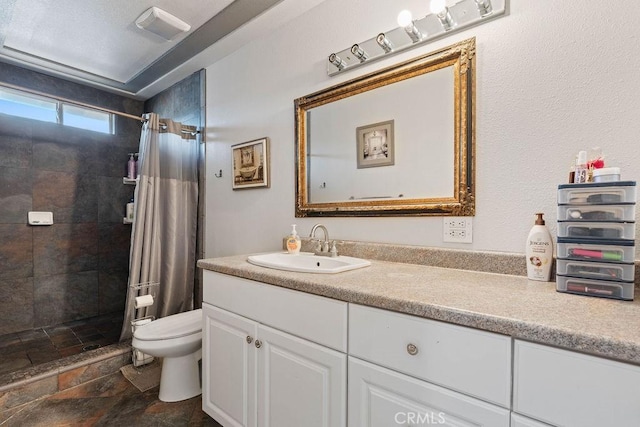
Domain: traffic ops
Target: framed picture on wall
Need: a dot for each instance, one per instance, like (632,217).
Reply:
(374,145)
(251,164)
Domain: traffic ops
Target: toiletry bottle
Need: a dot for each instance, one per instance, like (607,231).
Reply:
(293,241)
(131,167)
(130,206)
(539,251)
(582,169)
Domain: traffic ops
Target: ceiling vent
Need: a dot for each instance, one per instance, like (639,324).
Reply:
(161,23)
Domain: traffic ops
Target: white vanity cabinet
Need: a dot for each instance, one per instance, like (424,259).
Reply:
(566,388)
(403,371)
(279,357)
(272,356)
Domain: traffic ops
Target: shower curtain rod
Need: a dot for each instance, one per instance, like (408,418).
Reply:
(82,104)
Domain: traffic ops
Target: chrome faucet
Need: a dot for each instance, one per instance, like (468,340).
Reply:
(324,247)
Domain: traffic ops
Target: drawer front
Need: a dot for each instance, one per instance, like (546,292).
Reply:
(463,359)
(565,388)
(379,397)
(318,319)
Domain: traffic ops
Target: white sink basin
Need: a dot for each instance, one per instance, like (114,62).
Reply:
(306,262)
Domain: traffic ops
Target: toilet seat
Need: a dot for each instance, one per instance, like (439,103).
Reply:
(170,327)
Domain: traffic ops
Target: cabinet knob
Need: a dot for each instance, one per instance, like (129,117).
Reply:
(249,339)
(258,343)
(412,349)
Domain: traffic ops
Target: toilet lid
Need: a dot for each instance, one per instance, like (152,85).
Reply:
(175,326)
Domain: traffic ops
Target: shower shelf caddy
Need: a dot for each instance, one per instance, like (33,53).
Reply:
(129,181)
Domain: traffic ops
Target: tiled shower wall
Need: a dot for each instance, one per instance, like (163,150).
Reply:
(185,102)
(78,267)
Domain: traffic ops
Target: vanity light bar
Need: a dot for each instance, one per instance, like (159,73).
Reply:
(462,15)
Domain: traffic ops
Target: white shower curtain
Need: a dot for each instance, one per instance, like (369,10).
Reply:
(163,238)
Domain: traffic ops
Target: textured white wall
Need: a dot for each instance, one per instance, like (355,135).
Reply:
(553,77)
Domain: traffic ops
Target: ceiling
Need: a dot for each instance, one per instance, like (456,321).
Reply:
(97,42)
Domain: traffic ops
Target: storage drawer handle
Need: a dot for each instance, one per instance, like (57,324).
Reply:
(258,343)
(412,349)
(249,339)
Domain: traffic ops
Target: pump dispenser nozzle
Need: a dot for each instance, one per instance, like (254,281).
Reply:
(539,219)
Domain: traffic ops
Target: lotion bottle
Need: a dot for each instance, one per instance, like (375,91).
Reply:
(539,251)
(131,167)
(293,241)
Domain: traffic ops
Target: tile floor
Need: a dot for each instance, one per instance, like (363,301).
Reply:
(108,401)
(29,348)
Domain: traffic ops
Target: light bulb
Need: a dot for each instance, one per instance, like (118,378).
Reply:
(437,6)
(405,18)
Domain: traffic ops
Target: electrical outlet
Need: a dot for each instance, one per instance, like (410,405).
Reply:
(457,229)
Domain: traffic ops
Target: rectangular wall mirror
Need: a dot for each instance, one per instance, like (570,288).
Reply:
(399,141)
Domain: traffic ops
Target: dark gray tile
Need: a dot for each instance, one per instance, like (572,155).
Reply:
(74,155)
(12,126)
(113,196)
(71,197)
(37,334)
(16,251)
(65,297)
(113,242)
(43,356)
(129,130)
(113,160)
(65,248)
(15,151)
(9,339)
(180,101)
(15,195)
(113,291)
(16,304)
(66,340)
(56,330)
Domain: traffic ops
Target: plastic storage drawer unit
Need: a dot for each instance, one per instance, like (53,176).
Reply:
(603,193)
(596,239)
(595,270)
(597,230)
(596,250)
(623,213)
(599,288)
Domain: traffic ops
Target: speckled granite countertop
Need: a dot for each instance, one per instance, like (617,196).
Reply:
(506,304)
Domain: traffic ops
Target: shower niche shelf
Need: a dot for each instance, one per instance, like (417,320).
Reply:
(129,181)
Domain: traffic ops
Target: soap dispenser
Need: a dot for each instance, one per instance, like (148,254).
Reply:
(293,241)
(131,167)
(539,251)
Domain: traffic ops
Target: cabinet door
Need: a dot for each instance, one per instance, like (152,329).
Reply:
(300,383)
(229,367)
(379,397)
(565,388)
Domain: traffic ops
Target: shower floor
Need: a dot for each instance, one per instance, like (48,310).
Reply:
(32,347)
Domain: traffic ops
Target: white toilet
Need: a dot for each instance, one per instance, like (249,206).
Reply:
(178,340)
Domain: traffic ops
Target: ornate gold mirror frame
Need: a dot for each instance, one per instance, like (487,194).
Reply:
(460,57)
